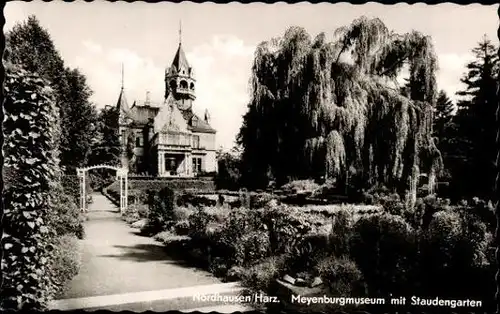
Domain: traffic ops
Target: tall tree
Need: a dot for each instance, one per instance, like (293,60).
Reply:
(443,113)
(106,147)
(476,125)
(79,122)
(228,174)
(31,45)
(317,107)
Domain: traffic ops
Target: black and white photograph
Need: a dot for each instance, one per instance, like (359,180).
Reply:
(203,157)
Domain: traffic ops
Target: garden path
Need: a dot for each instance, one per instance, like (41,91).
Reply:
(122,270)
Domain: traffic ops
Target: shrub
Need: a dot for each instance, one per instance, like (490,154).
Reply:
(341,276)
(384,247)
(135,212)
(161,211)
(64,262)
(424,210)
(485,211)
(259,277)
(285,230)
(301,185)
(309,251)
(374,194)
(167,237)
(254,246)
(229,240)
(71,185)
(228,175)
(259,200)
(65,217)
(454,249)
(182,213)
(341,234)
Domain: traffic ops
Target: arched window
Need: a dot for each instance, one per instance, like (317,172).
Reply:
(173,84)
(191,86)
(184,84)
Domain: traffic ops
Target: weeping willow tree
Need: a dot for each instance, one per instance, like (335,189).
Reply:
(333,108)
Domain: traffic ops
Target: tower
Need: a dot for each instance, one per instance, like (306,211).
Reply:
(179,79)
(123,119)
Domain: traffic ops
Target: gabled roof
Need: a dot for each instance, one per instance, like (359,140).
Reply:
(199,125)
(180,60)
(142,114)
(169,117)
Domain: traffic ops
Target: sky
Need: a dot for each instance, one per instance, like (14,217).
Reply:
(220,40)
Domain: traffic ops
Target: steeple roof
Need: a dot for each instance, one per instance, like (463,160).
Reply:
(180,60)
(122,103)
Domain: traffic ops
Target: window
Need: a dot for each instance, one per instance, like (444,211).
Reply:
(196,141)
(197,164)
(138,141)
(124,137)
(170,164)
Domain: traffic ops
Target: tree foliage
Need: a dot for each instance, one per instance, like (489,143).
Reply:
(317,107)
(472,149)
(107,147)
(443,114)
(228,174)
(31,46)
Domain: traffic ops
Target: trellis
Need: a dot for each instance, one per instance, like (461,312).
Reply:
(121,174)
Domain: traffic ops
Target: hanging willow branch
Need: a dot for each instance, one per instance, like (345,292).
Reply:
(331,113)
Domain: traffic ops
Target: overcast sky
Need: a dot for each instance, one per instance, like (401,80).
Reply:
(219,40)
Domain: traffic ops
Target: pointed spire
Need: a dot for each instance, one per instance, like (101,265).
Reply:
(180,60)
(207,116)
(122,103)
(122,76)
(180,32)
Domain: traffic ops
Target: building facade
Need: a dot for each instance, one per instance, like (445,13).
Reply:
(168,139)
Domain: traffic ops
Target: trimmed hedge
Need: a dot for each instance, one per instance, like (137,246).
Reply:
(30,132)
(157,185)
(64,263)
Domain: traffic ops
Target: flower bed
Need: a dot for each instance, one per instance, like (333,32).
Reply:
(344,249)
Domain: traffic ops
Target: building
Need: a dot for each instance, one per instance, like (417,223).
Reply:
(168,139)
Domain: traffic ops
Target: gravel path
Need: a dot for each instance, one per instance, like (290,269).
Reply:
(117,260)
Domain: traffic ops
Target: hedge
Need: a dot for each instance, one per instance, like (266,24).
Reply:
(39,219)
(30,147)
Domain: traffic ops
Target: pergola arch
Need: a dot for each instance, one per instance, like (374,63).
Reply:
(121,174)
